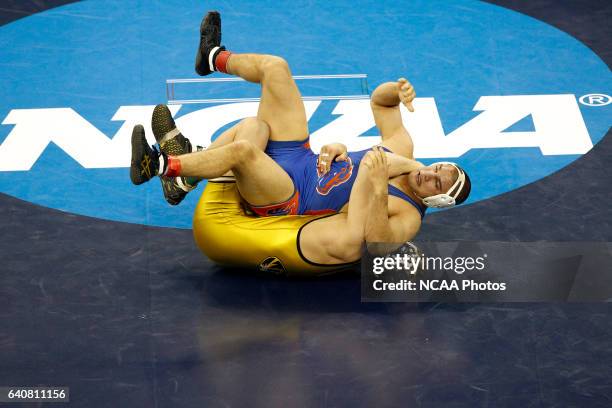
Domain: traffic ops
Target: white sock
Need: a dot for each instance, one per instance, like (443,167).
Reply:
(162,165)
(183,186)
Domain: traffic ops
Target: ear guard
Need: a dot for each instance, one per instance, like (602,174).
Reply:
(447,199)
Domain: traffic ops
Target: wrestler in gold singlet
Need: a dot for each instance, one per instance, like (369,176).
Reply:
(270,242)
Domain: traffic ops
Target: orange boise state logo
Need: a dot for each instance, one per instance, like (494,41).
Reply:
(340,173)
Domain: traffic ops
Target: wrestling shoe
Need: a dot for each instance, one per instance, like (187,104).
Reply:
(169,138)
(210,43)
(175,189)
(172,143)
(145,160)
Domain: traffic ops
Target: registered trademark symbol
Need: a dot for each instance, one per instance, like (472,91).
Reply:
(595,100)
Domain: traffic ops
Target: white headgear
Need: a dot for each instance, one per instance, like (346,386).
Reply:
(447,199)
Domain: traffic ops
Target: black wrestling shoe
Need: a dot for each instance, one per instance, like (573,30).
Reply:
(173,143)
(175,189)
(210,42)
(169,138)
(145,160)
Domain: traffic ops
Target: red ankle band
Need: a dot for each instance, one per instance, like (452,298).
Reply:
(174,167)
(221,61)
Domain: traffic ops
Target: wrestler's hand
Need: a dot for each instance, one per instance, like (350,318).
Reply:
(378,169)
(331,152)
(406,93)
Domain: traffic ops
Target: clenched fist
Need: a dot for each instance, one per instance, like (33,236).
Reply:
(406,93)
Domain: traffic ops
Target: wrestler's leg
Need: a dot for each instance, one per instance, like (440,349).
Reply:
(281,105)
(172,142)
(259,179)
(251,129)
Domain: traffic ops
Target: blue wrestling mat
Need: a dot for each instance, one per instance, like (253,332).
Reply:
(103,290)
(511,98)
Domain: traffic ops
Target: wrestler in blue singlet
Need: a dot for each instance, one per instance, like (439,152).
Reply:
(328,193)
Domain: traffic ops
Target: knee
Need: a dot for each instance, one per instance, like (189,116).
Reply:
(255,131)
(243,150)
(276,65)
(255,126)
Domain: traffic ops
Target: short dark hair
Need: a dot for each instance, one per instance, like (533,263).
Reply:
(465,190)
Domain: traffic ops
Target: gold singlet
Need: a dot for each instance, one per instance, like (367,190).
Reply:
(228,236)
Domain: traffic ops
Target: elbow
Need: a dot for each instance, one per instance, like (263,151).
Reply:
(375,103)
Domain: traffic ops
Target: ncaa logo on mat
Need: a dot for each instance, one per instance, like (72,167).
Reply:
(510,114)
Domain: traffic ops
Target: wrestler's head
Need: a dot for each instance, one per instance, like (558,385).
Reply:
(441,184)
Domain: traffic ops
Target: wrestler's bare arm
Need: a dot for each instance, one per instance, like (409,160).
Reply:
(338,239)
(380,226)
(385,102)
(397,164)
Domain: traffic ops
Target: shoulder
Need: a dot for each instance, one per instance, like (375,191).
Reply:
(402,210)
(408,203)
